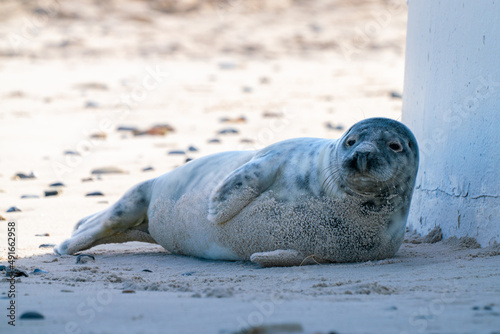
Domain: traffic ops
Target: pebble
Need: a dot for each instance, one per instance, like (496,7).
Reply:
(214,141)
(99,135)
(246,141)
(156,130)
(271,114)
(94,193)
(23,176)
(91,104)
(49,193)
(147,270)
(176,152)
(13,209)
(148,169)
(108,170)
(57,184)
(128,128)
(31,316)
(396,95)
(227,65)
(69,152)
(228,131)
(128,291)
(2,218)
(273,329)
(29,196)
(237,120)
(84,258)
(264,80)
(15,273)
(42,235)
(188,160)
(192,149)
(330,126)
(87,179)
(47,246)
(39,272)
(189,273)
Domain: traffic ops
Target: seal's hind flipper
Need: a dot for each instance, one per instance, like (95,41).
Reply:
(126,220)
(282,258)
(240,188)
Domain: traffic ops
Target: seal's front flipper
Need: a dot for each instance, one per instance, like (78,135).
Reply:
(240,188)
(282,258)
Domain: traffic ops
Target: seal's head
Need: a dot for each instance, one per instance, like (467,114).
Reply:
(377,157)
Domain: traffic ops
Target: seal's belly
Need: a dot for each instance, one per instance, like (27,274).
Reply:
(331,230)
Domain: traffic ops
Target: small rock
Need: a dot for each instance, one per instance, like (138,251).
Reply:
(29,196)
(273,329)
(188,160)
(91,104)
(176,152)
(13,209)
(228,131)
(246,89)
(49,193)
(99,135)
(192,149)
(87,179)
(330,126)
(23,176)
(57,184)
(147,169)
(396,95)
(108,170)
(246,141)
(94,193)
(214,141)
(15,273)
(2,218)
(128,291)
(42,235)
(271,114)
(147,270)
(69,152)
(92,85)
(64,290)
(128,128)
(39,272)
(157,130)
(84,258)
(47,246)
(264,80)
(227,65)
(433,236)
(237,120)
(31,316)
(189,273)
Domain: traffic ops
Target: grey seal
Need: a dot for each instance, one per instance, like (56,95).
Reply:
(297,201)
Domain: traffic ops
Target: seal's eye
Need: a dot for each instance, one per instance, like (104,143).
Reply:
(396,147)
(350,142)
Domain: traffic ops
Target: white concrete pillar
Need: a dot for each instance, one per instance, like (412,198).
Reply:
(452,103)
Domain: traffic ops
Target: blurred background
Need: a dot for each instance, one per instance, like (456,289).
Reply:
(143,86)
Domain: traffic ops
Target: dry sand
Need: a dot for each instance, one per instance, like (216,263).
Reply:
(73,69)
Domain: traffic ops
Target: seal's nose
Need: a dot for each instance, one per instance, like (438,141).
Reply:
(360,161)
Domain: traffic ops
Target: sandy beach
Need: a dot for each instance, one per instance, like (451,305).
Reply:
(140,87)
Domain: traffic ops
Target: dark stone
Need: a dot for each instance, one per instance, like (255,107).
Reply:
(31,316)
